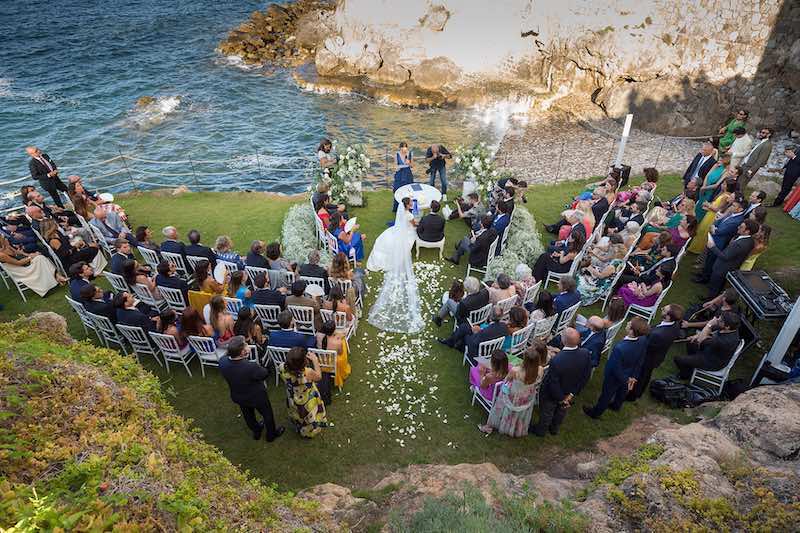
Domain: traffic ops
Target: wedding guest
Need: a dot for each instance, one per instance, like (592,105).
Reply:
(75,186)
(223,249)
(501,222)
(111,227)
(144,235)
(486,374)
(219,320)
(129,315)
(312,269)
(711,184)
(659,341)
(192,324)
(756,158)
(476,298)
(287,336)
(501,289)
(325,155)
(336,302)
(81,274)
(622,368)
(450,301)
(298,298)
(304,403)
(566,376)
(255,257)
(167,276)
(248,326)
(168,325)
(544,307)
(94,300)
(738,121)
(31,270)
(133,275)
(340,269)
(523,281)
(715,352)
(264,295)
(322,198)
(477,245)
(517,319)
(246,383)
(568,294)
(351,243)
(471,336)
(437,155)
(403,176)
(740,146)
(206,282)
(122,253)
(731,257)
(81,206)
(644,294)
(761,243)
(614,312)
(329,338)
(45,171)
(195,249)
(171,243)
(431,226)
(558,261)
(511,412)
(274,258)
(791,171)
(238,288)
(701,164)
(471,210)
(66,252)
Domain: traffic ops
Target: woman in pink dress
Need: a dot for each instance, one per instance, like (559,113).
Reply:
(485,377)
(645,294)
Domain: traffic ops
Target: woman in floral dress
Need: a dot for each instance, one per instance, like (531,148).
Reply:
(303,401)
(512,410)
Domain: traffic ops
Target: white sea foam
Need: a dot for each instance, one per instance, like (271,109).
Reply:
(149,115)
(236,61)
(5,87)
(502,115)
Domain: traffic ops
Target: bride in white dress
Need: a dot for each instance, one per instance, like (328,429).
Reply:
(397,307)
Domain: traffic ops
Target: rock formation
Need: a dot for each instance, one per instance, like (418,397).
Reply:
(739,470)
(680,65)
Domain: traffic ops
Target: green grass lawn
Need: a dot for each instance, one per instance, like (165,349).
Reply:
(425,380)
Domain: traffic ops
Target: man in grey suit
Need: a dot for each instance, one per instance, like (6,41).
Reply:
(757,158)
(731,256)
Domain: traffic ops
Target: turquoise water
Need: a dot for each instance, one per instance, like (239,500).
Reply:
(72,70)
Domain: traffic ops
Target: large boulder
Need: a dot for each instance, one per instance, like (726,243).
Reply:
(436,74)
(48,324)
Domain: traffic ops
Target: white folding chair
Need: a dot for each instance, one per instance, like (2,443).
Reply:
(519,339)
(479,316)
(150,256)
(485,349)
(174,299)
(101,241)
(252,353)
(208,353)
(194,260)
(280,278)
(506,304)
(327,361)
(139,342)
(277,356)
(346,285)
(650,311)
(268,315)
(172,352)
(486,404)
(84,316)
(232,267)
(303,318)
(21,287)
(428,244)
(565,318)
(489,259)
(311,280)
(253,272)
(233,306)
(531,293)
(611,334)
(107,332)
(543,327)
(50,252)
(118,283)
(180,265)
(716,378)
(143,293)
(348,327)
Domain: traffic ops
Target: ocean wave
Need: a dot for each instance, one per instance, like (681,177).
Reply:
(5,87)
(7,90)
(502,115)
(237,62)
(152,111)
(267,161)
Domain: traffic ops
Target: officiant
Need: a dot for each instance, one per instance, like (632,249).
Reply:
(403,175)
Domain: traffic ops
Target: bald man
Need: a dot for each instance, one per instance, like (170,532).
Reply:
(45,171)
(566,376)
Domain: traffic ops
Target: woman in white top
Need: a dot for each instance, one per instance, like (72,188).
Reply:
(325,154)
(34,270)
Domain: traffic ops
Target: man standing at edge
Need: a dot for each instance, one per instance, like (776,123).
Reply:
(45,171)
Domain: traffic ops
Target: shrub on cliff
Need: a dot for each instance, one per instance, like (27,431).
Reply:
(88,442)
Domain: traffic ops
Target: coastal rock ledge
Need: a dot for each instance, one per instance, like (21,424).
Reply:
(653,57)
(739,470)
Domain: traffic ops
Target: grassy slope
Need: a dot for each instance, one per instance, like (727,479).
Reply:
(353,452)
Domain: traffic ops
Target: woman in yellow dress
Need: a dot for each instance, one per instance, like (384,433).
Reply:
(762,242)
(303,401)
(720,203)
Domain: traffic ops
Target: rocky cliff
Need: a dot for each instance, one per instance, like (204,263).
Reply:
(678,64)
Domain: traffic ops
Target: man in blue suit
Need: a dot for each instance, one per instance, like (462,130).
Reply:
(501,222)
(568,294)
(172,244)
(593,338)
(722,232)
(287,337)
(167,277)
(623,367)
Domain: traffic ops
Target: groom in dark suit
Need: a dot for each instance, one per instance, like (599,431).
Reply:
(431,227)
(45,171)
(659,342)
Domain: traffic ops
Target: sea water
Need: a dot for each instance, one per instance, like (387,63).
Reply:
(71,72)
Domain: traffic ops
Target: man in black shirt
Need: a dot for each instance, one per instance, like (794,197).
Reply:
(791,171)
(715,352)
(436,156)
(431,227)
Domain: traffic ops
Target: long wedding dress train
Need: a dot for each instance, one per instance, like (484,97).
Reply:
(397,307)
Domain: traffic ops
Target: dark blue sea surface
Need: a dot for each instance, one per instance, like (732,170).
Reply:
(71,72)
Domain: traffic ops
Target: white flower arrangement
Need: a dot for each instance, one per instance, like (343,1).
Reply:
(476,163)
(346,175)
(299,235)
(524,245)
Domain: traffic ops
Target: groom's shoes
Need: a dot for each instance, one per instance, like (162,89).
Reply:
(452,260)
